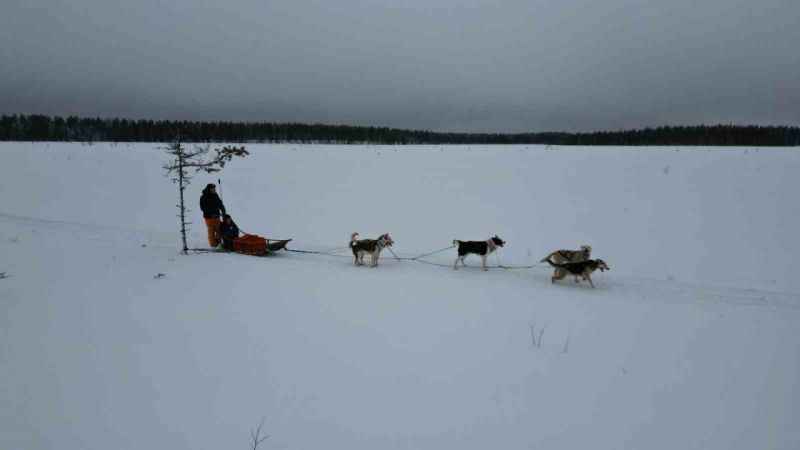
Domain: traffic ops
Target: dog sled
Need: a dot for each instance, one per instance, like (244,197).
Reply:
(252,245)
(255,245)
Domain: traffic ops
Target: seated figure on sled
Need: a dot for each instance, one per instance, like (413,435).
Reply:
(229,232)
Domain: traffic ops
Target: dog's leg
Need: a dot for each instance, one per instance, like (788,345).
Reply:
(588,278)
(483,262)
(455,264)
(558,274)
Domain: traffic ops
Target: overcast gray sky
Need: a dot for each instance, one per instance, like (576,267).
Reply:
(469,65)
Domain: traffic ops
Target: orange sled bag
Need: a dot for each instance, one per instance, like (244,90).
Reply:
(250,244)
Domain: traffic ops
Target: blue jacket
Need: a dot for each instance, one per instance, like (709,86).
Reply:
(211,205)
(229,232)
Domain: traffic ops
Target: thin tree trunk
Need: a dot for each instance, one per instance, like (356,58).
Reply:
(181,187)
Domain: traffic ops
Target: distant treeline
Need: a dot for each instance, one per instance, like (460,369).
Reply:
(45,128)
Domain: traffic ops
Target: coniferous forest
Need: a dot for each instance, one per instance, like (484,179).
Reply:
(45,128)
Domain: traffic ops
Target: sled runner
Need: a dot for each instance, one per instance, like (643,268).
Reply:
(275,245)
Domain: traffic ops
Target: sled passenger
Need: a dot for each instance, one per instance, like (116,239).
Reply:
(212,208)
(229,232)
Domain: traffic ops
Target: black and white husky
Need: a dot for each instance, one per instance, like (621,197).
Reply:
(372,247)
(480,248)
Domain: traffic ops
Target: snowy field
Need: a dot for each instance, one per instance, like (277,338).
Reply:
(691,341)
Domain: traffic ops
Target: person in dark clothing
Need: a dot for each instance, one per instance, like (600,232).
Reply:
(229,232)
(212,208)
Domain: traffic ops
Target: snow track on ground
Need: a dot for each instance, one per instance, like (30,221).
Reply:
(640,289)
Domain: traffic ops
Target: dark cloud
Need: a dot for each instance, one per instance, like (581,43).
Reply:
(445,65)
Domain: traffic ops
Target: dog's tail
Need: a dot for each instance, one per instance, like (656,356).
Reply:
(547,258)
(353,239)
(556,265)
(456,242)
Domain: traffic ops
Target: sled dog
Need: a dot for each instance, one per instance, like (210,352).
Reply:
(565,256)
(480,248)
(562,256)
(372,247)
(582,269)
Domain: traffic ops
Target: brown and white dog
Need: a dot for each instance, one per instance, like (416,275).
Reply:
(582,269)
(562,256)
(480,248)
(565,256)
(372,247)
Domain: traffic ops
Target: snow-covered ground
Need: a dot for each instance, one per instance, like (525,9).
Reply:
(692,341)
